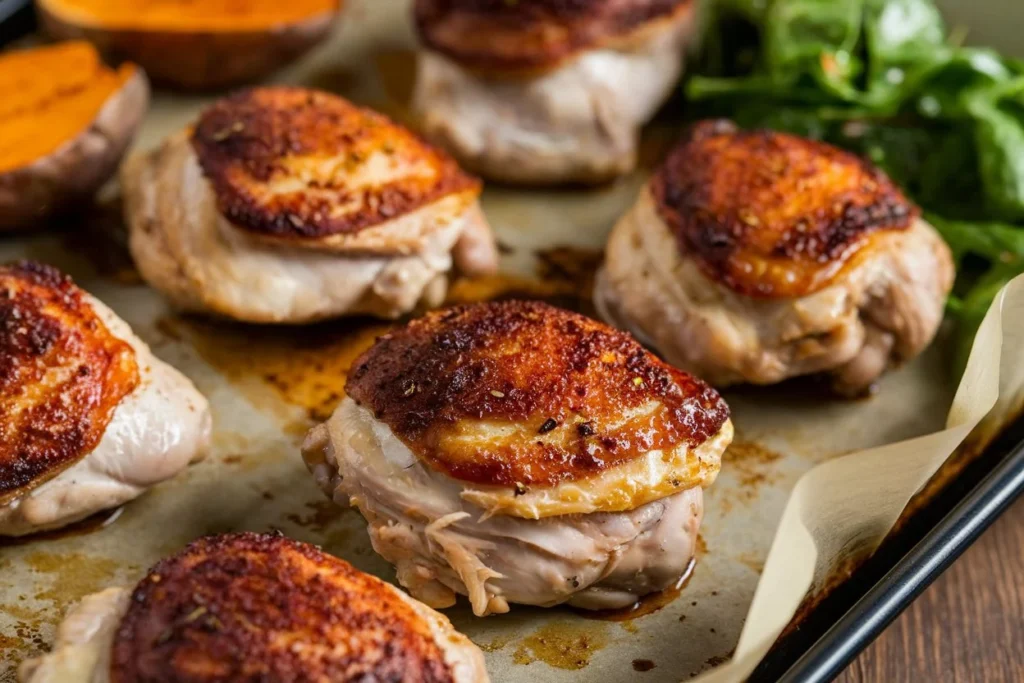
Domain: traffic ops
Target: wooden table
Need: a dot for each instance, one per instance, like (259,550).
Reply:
(968,625)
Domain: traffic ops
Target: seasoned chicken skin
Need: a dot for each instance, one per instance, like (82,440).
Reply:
(758,256)
(91,418)
(286,205)
(545,91)
(250,607)
(515,452)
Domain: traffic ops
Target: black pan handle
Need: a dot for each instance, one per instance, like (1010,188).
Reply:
(16,20)
(922,565)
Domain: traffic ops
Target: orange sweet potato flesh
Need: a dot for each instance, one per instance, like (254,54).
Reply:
(193,45)
(189,15)
(51,94)
(67,120)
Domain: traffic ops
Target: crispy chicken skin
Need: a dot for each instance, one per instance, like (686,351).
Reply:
(575,397)
(62,375)
(83,401)
(533,35)
(546,91)
(754,256)
(252,607)
(515,452)
(290,205)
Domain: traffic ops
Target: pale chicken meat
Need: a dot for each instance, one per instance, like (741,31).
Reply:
(252,607)
(755,256)
(91,418)
(544,91)
(287,205)
(518,453)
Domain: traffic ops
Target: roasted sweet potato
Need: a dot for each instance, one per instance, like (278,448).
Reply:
(66,120)
(195,45)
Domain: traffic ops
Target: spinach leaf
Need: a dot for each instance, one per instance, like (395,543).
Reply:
(999,131)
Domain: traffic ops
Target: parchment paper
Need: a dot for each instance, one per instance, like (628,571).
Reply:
(267,387)
(857,498)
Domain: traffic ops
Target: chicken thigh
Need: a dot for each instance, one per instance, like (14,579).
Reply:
(518,453)
(249,607)
(91,419)
(758,256)
(286,205)
(546,92)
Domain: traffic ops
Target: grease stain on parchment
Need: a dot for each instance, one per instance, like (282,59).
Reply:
(562,645)
(754,563)
(752,466)
(321,515)
(496,643)
(334,526)
(26,639)
(73,575)
(648,604)
(565,277)
(305,367)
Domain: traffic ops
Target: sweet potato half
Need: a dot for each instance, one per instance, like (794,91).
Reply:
(195,45)
(66,120)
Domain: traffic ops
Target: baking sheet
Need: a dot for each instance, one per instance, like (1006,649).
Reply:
(267,386)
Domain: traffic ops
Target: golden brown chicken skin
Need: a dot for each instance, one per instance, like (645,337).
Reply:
(62,374)
(249,607)
(565,381)
(281,161)
(287,205)
(773,215)
(534,35)
(756,256)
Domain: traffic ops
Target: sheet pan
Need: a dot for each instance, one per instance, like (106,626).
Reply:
(267,386)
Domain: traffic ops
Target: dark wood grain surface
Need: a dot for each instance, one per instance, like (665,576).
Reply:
(968,625)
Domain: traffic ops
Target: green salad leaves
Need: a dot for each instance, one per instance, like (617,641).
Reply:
(885,79)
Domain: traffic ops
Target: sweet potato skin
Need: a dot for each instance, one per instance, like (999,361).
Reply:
(71,174)
(201,60)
